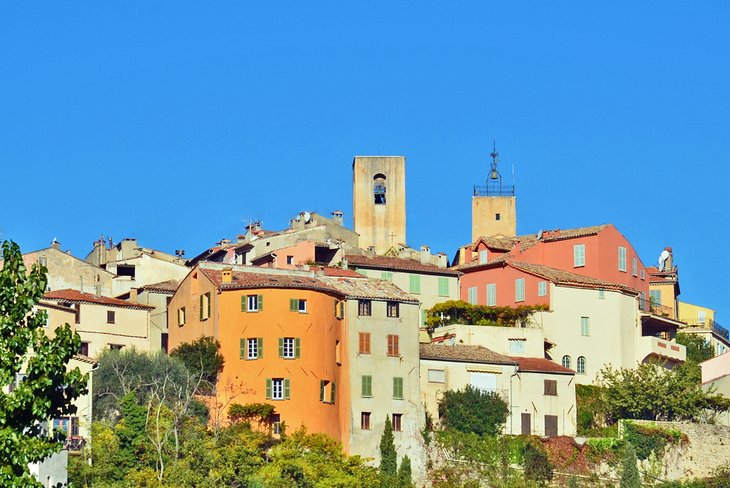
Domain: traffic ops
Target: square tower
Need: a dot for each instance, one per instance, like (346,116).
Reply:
(379,201)
(493,206)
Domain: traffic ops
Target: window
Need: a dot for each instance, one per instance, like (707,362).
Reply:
(205,306)
(252,348)
(585,326)
(581,365)
(443,287)
(110,316)
(366,388)
(339,309)
(701,316)
(641,274)
(365,420)
(43,261)
(116,347)
(392,309)
(252,303)
(579,255)
(327,391)
(566,361)
(126,270)
(298,305)
(364,343)
(379,189)
(551,425)
(386,275)
(634,266)
(551,387)
(398,388)
(364,308)
(289,347)
(393,345)
(497,216)
(472,295)
(84,349)
(397,422)
(278,389)
(621,258)
(436,376)
(541,288)
(655,296)
(68,425)
(602,294)
(338,352)
(517,345)
(520,290)
(483,256)
(414,282)
(181,316)
(276,423)
(492,294)
(290,260)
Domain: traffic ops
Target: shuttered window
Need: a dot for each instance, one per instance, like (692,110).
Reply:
(398,388)
(443,287)
(367,386)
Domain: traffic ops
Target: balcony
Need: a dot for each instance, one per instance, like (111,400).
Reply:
(654,348)
(75,443)
(651,306)
(493,191)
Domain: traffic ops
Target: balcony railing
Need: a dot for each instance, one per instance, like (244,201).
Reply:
(720,330)
(493,191)
(74,443)
(650,346)
(656,308)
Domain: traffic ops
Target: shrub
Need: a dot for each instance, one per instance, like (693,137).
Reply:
(537,466)
(472,410)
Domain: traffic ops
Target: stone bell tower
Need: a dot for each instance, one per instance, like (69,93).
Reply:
(379,201)
(493,206)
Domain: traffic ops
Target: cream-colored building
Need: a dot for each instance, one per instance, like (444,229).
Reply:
(428,279)
(104,322)
(540,394)
(526,341)
(157,295)
(716,377)
(379,201)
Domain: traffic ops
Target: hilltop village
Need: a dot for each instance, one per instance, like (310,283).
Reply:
(340,329)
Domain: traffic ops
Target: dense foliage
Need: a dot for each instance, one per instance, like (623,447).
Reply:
(537,466)
(630,477)
(203,359)
(461,312)
(648,439)
(47,388)
(473,410)
(698,349)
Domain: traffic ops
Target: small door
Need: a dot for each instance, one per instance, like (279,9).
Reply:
(551,425)
(526,424)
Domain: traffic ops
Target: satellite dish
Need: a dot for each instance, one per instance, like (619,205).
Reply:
(539,235)
(662,259)
(307,217)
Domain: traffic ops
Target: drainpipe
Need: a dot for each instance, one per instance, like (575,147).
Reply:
(511,405)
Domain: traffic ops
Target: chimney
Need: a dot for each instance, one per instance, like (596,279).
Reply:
(669,263)
(133,295)
(227,275)
(371,251)
(443,261)
(55,244)
(425,255)
(337,216)
(345,264)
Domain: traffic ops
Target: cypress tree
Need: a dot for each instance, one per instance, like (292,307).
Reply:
(388,456)
(630,477)
(404,472)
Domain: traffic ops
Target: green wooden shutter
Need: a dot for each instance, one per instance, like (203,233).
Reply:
(201,307)
(243,349)
(260,347)
(261,303)
(293,305)
(281,347)
(297,348)
(268,388)
(398,388)
(244,303)
(209,301)
(367,386)
(286,389)
(332,393)
(321,390)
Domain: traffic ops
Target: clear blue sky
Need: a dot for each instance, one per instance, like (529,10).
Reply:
(173,121)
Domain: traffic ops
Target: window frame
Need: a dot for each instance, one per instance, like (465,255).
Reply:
(364,343)
(393,345)
(398,388)
(550,387)
(472,296)
(622,259)
(580,365)
(111,317)
(414,283)
(181,316)
(392,309)
(579,255)
(585,326)
(444,287)
(365,423)
(519,290)
(542,288)
(366,386)
(566,361)
(492,294)
(364,308)
(396,422)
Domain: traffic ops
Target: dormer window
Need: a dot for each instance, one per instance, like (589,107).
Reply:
(379,189)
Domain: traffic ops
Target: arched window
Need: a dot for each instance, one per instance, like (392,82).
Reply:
(566,361)
(379,189)
(581,365)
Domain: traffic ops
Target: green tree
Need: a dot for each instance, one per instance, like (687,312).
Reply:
(537,465)
(630,477)
(650,392)
(203,358)
(473,410)
(698,349)
(47,389)
(404,472)
(388,456)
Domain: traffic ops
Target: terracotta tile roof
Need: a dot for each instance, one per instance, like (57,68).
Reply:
(560,277)
(492,261)
(528,240)
(84,359)
(368,289)
(247,280)
(397,264)
(43,303)
(339,272)
(558,234)
(499,243)
(169,286)
(540,365)
(464,353)
(75,296)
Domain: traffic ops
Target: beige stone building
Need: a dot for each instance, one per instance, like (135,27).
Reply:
(716,377)
(493,206)
(104,322)
(379,201)
(540,394)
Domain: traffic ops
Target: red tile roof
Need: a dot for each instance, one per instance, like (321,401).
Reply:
(339,272)
(463,353)
(169,286)
(566,278)
(397,264)
(540,365)
(75,296)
